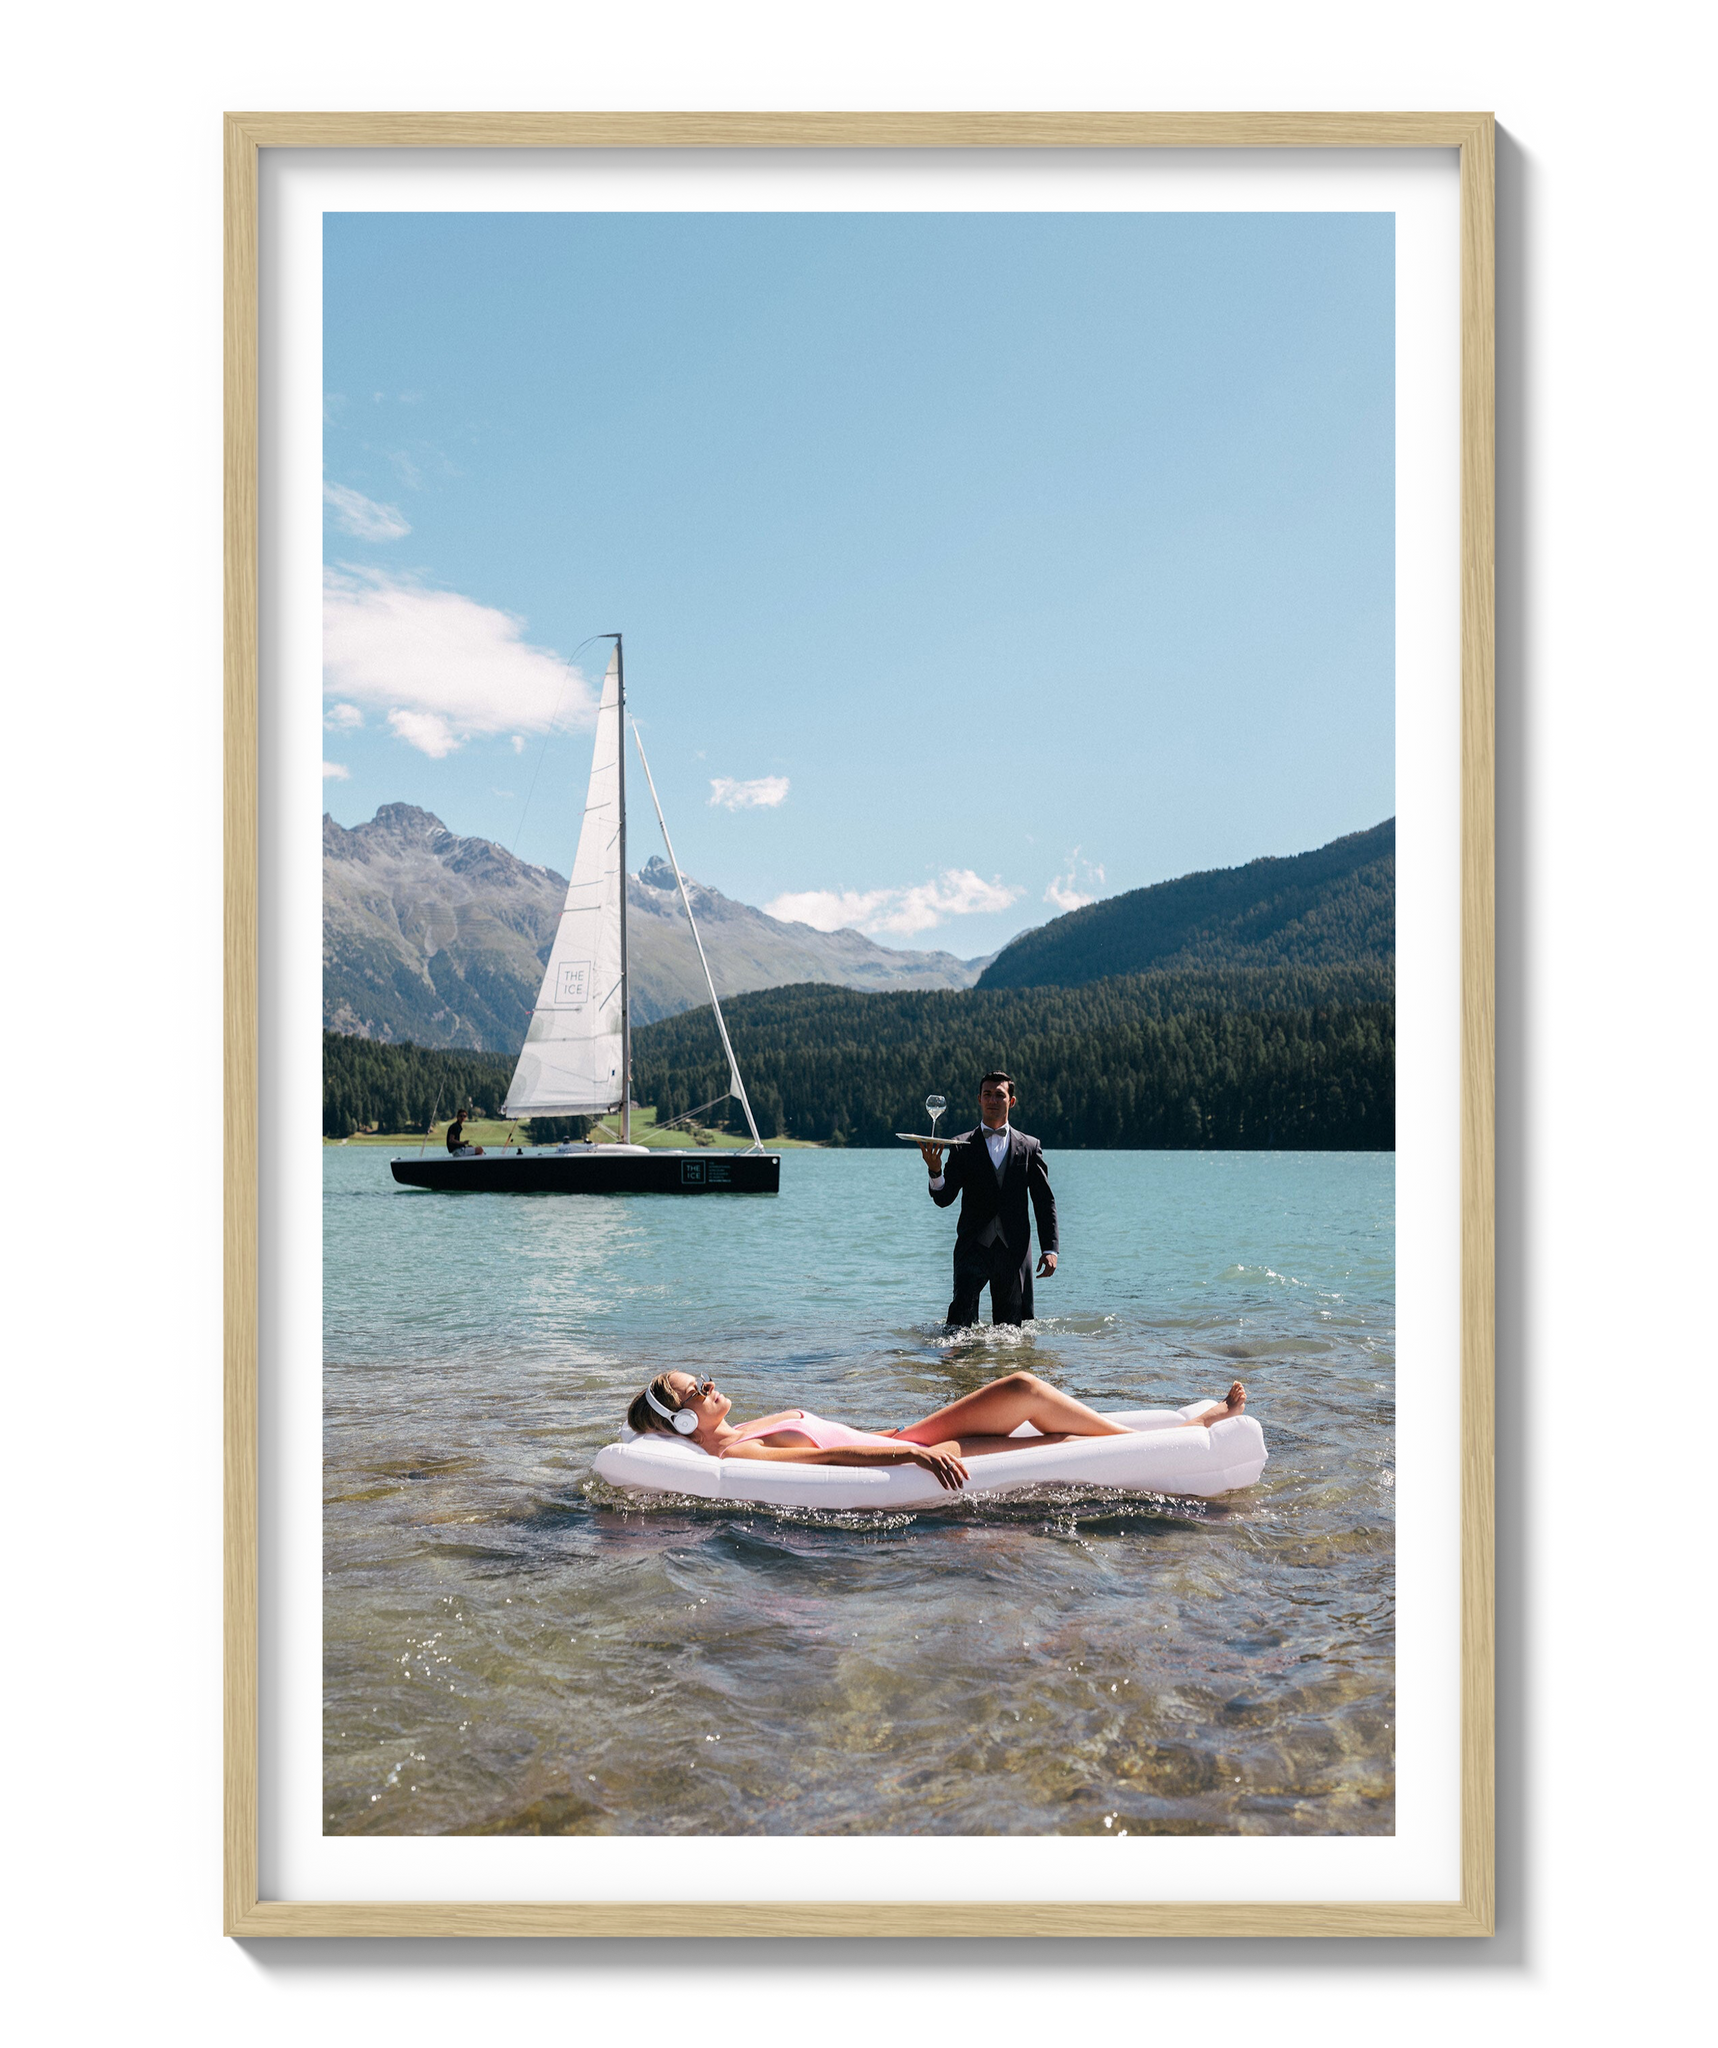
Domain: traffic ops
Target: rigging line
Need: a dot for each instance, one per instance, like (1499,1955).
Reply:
(548,734)
(686,1116)
(430,1133)
(736,1085)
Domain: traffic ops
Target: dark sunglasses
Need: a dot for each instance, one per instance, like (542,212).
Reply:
(700,1390)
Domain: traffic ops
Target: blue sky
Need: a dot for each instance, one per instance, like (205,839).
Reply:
(969,565)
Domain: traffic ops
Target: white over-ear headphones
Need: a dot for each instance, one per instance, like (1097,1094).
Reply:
(684,1421)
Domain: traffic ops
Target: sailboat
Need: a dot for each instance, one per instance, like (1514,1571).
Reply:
(577,1055)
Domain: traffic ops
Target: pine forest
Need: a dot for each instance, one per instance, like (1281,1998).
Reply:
(1280,1058)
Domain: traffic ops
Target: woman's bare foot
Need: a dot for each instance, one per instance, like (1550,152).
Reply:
(1234,1402)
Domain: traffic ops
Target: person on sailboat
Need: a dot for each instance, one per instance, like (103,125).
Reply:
(456,1139)
(679,1404)
(995,1171)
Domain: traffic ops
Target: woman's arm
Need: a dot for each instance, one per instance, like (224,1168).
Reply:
(937,1459)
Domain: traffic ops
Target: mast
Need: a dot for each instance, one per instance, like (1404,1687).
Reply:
(625,986)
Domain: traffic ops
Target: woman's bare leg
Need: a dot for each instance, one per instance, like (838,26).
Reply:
(999,1409)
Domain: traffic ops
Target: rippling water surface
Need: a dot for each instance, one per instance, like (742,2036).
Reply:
(512,1647)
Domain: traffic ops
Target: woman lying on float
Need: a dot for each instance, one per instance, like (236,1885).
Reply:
(977,1425)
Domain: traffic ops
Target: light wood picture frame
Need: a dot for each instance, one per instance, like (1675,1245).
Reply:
(1471,135)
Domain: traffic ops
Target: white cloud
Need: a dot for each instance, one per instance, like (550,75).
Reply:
(1065,896)
(428,731)
(1066,892)
(762,795)
(362,517)
(333,772)
(518,743)
(342,718)
(441,667)
(956,892)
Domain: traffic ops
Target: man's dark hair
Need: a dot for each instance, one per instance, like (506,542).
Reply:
(996,1074)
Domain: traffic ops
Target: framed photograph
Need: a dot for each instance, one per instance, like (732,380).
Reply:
(851,741)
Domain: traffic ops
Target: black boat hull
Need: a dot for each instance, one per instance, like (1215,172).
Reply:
(595,1171)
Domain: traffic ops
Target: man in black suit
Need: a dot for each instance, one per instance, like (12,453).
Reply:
(993,1173)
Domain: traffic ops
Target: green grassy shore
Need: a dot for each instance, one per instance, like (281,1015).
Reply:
(492,1134)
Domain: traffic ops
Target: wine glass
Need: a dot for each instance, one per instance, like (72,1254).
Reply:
(936,1104)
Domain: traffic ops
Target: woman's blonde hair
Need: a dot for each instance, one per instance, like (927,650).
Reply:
(641,1417)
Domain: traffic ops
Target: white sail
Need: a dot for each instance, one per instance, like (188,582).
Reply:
(573,1059)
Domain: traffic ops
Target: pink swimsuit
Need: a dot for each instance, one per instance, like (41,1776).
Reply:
(827,1436)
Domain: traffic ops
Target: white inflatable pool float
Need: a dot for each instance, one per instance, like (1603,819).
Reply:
(1155,1457)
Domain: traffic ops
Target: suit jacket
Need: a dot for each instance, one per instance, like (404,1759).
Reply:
(986,1198)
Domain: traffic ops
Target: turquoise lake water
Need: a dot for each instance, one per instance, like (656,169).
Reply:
(511,1646)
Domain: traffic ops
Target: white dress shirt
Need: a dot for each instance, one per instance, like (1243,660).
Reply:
(995,1143)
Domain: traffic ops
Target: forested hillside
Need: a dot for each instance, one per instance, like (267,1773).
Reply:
(1315,909)
(400,1087)
(1260,1058)
(1300,1058)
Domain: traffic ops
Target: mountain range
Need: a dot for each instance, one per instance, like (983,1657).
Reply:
(1336,904)
(441,939)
